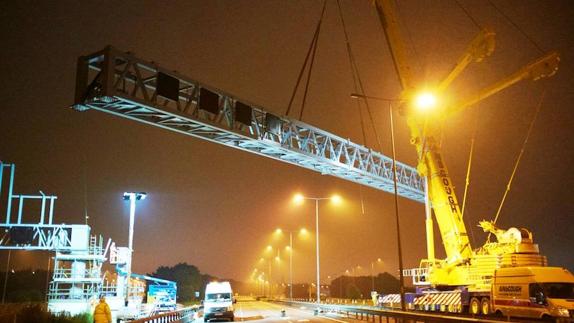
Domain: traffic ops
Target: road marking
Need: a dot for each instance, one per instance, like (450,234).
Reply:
(241,312)
(332,319)
(303,320)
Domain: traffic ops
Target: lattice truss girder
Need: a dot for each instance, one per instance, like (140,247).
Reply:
(37,236)
(121,84)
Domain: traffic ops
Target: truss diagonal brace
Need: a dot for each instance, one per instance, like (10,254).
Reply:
(120,84)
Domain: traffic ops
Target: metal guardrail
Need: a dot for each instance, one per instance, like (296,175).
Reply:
(370,313)
(184,315)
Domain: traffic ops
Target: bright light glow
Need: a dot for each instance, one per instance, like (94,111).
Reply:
(278,231)
(425,101)
(298,198)
(336,199)
(303,231)
(269,248)
(379,260)
(135,195)
(288,248)
(277,258)
(261,260)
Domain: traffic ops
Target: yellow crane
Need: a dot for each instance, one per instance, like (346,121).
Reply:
(424,115)
(509,276)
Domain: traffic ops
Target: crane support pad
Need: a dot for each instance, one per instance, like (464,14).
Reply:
(118,83)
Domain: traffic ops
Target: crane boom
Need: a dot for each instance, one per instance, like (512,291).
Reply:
(423,126)
(123,85)
(390,23)
(545,66)
(479,48)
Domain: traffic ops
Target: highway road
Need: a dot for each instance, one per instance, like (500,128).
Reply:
(264,312)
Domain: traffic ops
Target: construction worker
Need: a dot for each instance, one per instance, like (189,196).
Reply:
(102,313)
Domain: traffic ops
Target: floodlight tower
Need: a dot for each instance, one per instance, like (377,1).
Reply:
(132,197)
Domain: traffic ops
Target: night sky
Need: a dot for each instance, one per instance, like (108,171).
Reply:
(216,207)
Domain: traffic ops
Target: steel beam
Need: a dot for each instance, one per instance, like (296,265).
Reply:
(120,84)
(45,237)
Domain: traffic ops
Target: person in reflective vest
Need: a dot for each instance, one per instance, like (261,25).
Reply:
(102,313)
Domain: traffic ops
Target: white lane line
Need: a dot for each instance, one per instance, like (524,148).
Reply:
(240,312)
(332,319)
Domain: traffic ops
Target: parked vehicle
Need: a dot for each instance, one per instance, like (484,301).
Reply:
(218,302)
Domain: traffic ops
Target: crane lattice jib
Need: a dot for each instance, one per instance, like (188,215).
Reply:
(121,84)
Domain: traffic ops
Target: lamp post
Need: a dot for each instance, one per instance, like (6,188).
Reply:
(290,265)
(6,276)
(396,193)
(290,247)
(335,199)
(373,273)
(132,197)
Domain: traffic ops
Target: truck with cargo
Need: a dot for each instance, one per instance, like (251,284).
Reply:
(507,275)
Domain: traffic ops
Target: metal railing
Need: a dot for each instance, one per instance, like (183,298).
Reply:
(385,315)
(183,315)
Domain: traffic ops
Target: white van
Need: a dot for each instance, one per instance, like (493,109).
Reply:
(538,292)
(218,302)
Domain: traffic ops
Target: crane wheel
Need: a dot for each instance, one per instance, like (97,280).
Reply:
(474,306)
(485,306)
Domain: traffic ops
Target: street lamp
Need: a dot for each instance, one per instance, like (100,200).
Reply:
(290,248)
(425,101)
(132,197)
(400,253)
(373,273)
(299,198)
(269,257)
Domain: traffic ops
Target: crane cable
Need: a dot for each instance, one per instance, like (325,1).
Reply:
(358,88)
(467,180)
(85,134)
(538,47)
(310,54)
(474,21)
(354,72)
(358,84)
(518,159)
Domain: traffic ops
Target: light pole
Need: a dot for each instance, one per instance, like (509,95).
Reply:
(290,247)
(268,255)
(132,197)
(335,199)
(373,273)
(396,193)
(6,276)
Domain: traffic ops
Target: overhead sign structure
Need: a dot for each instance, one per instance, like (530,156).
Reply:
(121,84)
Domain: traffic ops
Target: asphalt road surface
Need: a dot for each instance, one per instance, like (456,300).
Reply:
(263,312)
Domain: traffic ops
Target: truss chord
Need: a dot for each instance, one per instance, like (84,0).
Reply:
(295,142)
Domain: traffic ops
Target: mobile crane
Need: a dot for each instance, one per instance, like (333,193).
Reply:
(477,280)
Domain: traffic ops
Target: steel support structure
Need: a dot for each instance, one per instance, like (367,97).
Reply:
(118,83)
(39,234)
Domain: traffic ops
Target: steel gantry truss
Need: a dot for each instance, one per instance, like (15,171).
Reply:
(37,235)
(120,84)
